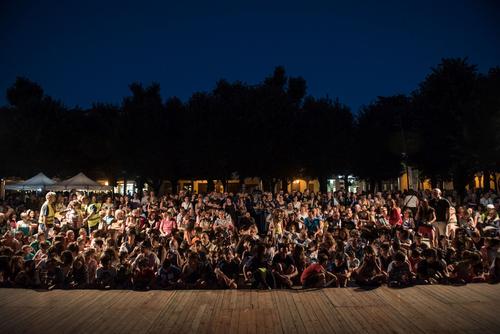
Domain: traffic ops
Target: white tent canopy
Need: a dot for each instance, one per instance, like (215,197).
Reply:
(79,182)
(38,182)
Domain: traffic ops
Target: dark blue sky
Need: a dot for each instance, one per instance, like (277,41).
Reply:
(89,51)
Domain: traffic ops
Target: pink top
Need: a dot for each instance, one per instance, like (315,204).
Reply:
(167,225)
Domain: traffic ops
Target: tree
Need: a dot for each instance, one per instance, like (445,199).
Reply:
(380,140)
(446,103)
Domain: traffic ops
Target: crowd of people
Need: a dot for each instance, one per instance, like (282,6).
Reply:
(259,240)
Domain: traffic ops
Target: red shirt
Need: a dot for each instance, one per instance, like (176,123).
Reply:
(395,217)
(314,268)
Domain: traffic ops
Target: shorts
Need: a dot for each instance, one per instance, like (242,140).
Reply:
(440,227)
(46,229)
(425,230)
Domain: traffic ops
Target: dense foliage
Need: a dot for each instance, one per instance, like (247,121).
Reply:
(449,128)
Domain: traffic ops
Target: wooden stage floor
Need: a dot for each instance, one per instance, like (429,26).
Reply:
(474,308)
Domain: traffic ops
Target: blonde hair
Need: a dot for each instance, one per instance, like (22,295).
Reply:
(50,194)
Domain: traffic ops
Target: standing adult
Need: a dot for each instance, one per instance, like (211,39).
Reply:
(93,217)
(442,209)
(411,202)
(47,213)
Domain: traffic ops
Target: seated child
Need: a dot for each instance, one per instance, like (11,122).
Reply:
(340,269)
(105,274)
(431,270)
(168,274)
(399,271)
(79,273)
(316,276)
(369,273)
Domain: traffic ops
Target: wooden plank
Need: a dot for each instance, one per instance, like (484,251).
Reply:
(222,315)
(294,314)
(467,309)
(267,311)
(283,313)
(207,319)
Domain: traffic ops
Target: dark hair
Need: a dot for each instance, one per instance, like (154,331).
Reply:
(146,244)
(73,247)
(67,257)
(105,259)
(400,256)
(430,252)
(322,259)
(166,263)
(385,246)
(369,250)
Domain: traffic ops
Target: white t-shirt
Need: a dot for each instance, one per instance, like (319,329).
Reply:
(411,201)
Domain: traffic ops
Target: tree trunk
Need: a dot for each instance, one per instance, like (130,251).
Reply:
(472,183)
(157,185)
(241,183)
(372,185)
(459,183)
(112,183)
(267,184)
(210,185)
(224,183)
(323,186)
(497,183)
(175,184)
(486,181)
(140,185)
(433,181)
(460,180)
(284,184)
(272,185)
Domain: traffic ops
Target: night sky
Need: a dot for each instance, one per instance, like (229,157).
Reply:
(89,51)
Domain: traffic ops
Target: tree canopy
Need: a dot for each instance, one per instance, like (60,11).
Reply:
(448,127)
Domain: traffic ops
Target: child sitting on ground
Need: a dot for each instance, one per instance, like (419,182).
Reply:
(431,270)
(105,274)
(369,274)
(462,272)
(340,269)
(168,274)
(316,275)
(399,271)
